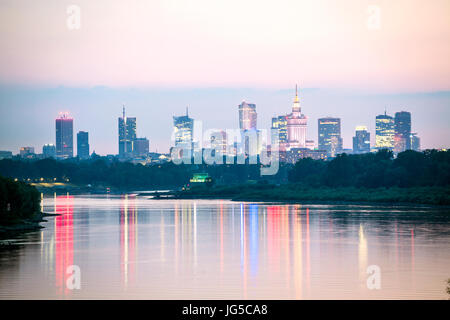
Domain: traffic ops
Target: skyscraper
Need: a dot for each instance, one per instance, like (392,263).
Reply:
(296,125)
(250,136)
(64,136)
(219,142)
(280,124)
(361,140)
(247,116)
(83,145)
(184,131)
(415,142)
(127,134)
(330,135)
(403,130)
(141,147)
(384,132)
(49,151)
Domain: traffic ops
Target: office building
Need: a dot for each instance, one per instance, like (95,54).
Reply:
(83,145)
(219,142)
(384,132)
(280,125)
(415,142)
(64,136)
(402,136)
(361,140)
(127,134)
(49,150)
(141,147)
(295,154)
(247,116)
(184,131)
(402,127)
(329,132)
(26,152)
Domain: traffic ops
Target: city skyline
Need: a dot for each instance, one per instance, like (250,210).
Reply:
(253,150)
(347,129)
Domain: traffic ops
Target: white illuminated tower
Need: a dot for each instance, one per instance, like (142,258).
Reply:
(296,125)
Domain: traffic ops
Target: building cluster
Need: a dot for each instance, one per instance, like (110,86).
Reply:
(130,146)
(392,133)
(63,147)
(291,132)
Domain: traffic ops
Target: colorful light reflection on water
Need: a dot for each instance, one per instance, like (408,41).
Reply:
(132,247)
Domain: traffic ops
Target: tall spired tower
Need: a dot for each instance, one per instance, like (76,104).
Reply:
(296,125)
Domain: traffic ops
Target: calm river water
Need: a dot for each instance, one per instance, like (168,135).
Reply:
(129,247)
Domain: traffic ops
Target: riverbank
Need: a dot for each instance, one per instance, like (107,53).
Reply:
(20,209)
(291,192)
(14,227)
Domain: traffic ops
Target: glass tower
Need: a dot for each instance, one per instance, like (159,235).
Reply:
(403,130)
(184,131)
(384,132)
(330,135)
(83,145)
(247,116)
(64,136)
(361,140)
(127,135)
(280,124)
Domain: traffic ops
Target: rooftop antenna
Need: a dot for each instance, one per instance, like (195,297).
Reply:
(123,111)
(187,113)
(296,93)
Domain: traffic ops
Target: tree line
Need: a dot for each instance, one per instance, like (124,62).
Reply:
(18,200)
(375,170)
(370,170)
(125,175)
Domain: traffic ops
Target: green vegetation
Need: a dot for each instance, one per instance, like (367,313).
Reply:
(19,203)
(124,175)
(376,170)
(296,192)
(412,177)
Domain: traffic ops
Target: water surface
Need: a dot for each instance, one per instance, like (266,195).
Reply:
(131,247)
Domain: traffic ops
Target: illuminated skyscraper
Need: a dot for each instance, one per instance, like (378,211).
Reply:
(384,132)
(64,136)
(184,131)
(280,124)
(330,135)
(296,125)
(250,136)
(402,131)
(219,142)
(361,140)
(127,134)
(83,145)
(247,116)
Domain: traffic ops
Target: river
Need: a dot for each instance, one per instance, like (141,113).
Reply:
(128,247)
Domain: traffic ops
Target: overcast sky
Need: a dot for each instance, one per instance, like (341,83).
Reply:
(159,56)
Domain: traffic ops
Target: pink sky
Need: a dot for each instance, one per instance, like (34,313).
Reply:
(234,43)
